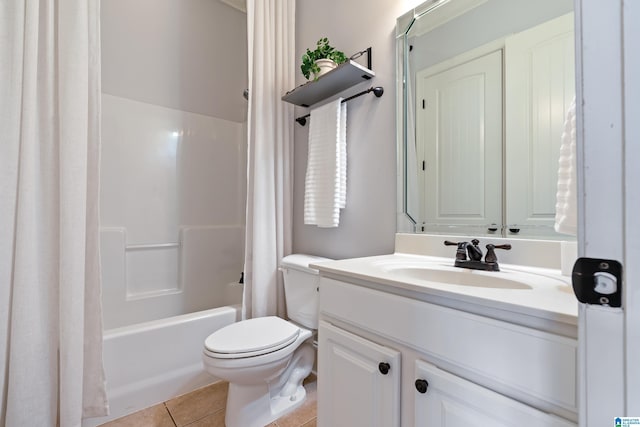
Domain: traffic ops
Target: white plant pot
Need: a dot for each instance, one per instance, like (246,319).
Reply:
(325,66)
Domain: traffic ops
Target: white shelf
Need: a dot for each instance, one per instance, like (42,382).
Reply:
(343,77)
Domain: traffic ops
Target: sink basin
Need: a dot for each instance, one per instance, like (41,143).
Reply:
(568,289)
(458,277)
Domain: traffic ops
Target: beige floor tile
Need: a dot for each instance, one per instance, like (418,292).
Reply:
(214,420)
(198,404)
(155,416)
(305,413)
(205,408)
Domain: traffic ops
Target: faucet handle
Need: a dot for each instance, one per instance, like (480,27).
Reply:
(506,246)
(490,257)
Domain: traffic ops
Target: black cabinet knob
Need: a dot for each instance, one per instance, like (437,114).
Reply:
(384,367)
(421,386)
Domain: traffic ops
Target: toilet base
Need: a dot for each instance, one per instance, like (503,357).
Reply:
(256,405)
(252,406)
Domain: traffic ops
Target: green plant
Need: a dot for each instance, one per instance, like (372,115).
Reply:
(323,51)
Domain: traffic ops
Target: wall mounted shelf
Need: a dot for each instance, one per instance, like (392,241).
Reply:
(343,77)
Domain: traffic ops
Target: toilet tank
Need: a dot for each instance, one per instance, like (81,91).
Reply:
(301,288)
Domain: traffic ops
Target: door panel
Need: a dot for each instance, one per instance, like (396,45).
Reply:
(451,401)
(461,132)
(352,391)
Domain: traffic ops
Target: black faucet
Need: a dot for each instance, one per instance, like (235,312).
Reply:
(474,253)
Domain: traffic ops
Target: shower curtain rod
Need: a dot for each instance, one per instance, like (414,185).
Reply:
(377,91)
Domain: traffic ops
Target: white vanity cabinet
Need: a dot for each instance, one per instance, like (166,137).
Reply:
(481,371)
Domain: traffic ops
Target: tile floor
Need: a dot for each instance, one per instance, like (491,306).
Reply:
(205,408)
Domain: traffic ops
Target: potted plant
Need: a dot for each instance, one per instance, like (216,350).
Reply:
(321,60)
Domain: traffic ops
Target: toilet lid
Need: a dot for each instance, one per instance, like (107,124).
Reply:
(252,337)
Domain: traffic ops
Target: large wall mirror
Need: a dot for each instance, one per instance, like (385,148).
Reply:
(484,87)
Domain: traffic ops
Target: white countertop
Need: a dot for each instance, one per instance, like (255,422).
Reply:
(545,293)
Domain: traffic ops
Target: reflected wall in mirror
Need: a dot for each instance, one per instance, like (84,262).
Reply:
(484,87)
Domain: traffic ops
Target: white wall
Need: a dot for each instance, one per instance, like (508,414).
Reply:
(368,223)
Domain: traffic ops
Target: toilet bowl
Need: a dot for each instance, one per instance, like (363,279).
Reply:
(266,359)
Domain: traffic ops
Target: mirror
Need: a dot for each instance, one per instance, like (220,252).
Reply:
(483,91)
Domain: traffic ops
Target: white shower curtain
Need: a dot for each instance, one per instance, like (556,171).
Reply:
(50,315)
(271,31)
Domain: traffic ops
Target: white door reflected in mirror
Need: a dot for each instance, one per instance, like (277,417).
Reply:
(471,166)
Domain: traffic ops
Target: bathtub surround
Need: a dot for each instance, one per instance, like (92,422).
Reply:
(50,311)
(168,245)
(271,38)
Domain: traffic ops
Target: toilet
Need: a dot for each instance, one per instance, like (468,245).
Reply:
(265,359)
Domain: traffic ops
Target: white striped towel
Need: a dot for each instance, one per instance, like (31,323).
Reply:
(325,189)
(566,197)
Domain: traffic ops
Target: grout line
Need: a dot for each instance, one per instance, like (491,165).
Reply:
(170,414)
(202,418)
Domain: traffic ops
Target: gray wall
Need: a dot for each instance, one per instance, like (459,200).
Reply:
(186,55)
(368,223)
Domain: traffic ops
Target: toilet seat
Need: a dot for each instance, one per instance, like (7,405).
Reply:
(250,338)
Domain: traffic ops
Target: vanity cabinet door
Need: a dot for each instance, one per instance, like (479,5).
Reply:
(445,400)
(358,381)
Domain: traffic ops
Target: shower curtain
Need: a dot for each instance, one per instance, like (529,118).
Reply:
(50,315)
(271,38)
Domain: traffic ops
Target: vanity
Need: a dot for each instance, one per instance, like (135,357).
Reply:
(409,340)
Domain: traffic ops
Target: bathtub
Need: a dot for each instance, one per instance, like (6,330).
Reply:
(151,362)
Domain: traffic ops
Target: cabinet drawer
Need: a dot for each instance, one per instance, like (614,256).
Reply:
(531,362)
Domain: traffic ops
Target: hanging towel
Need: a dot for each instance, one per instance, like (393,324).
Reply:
(326,179)
(566,197)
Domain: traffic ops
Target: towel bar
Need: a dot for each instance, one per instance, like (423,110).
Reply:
(377,91)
